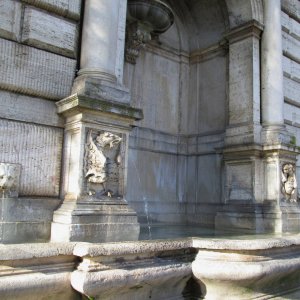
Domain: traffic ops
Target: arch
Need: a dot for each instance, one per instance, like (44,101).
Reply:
(243,11)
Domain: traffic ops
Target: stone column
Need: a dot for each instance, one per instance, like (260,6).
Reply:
(279,153)
(102,46)
(272,76)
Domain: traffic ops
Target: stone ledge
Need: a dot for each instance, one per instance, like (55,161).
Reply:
(130,247)
(78,102)
(35,251)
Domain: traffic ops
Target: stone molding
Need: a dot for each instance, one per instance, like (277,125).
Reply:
(162,142)
(78,102)
(201,55)
(250,29)
(168,52)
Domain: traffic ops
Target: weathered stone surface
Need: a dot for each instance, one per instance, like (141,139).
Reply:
(292,115)
(9,180)
(28,109)
(291,46)
(266,269)
(35,72)
(244,95)
(47,270)
(291,7)
(290,25)
(95,88)
(211,93)
(291,90)
(139,270)
(48,32)
(66,8)
(291,69)
(38,150)
(155,88)
(120,271)
(10,19)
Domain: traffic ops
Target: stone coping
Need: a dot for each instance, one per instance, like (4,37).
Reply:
(81,249)
(123,248)
(246,244)
(35,250)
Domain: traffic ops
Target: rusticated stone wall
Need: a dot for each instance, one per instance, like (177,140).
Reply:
(38,58)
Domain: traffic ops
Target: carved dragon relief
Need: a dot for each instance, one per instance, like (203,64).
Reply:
(99,148)
(289,182)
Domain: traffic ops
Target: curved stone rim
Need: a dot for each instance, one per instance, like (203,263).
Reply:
(152,4)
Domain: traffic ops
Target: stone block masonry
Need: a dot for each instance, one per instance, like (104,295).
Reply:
(66,8)
(10,19)
(35,72)
(49,32)
(38,150)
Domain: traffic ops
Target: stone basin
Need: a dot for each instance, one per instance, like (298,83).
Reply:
(183,268)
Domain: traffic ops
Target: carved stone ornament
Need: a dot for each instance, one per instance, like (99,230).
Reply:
(136,38)
(145,17)
(98,148)
(289,182)
(9,179)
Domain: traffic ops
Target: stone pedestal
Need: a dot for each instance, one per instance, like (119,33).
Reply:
(260,190)
(95,167)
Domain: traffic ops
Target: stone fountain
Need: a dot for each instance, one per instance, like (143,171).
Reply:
(94,250)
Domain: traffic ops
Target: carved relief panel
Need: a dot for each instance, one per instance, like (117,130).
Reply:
(289,182)
(104,163)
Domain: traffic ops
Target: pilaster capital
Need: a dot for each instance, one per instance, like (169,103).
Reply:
(249,29)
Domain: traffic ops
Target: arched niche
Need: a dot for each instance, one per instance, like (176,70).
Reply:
(181,81)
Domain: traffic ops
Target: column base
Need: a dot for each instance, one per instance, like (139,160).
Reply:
(276,135)
(95,221)
(100,88)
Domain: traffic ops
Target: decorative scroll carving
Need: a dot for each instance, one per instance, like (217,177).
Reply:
(96,160)
(9,179)
(289,182)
